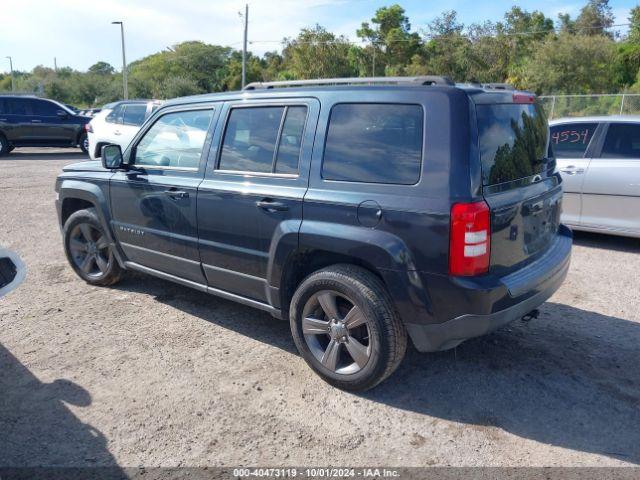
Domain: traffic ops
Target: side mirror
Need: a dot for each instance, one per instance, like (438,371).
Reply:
(62,114)
(112,157)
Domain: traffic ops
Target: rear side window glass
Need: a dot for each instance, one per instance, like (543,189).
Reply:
(374,143)
(250,139)
(46,109)
(622,141)
(571,140)
(134,114)
(291,140)
(175,140)
(513,141)
(20,106)
(3,106)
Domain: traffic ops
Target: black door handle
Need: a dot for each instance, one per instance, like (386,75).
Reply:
(174,193)
(272,206)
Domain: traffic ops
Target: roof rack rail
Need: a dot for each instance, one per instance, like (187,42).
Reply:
(499,86)
(421,80)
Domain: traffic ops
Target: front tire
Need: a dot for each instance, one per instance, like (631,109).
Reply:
(346,328)
(88,251)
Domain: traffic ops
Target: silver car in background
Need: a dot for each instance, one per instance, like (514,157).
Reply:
(599,160)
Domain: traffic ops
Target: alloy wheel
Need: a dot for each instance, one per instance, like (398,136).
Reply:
(337,332)
(89,250)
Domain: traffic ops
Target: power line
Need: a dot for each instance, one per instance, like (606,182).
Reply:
(435,36)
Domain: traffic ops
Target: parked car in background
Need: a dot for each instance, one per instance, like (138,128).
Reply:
(364,215)
(118,123)
(90,112)
(38,122)
(599,160)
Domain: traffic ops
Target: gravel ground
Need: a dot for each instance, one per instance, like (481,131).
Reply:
(151,373)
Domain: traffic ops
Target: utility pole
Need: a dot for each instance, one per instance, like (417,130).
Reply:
(55,64)
(374,60)
(244,45)
(124,62)
(13,85)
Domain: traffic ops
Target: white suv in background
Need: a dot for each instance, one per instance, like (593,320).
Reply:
(118,123)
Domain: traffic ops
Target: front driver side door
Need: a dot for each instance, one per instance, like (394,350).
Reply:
(153,203)
(611,191)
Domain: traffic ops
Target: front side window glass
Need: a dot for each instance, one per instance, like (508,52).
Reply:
(115,114)
(134,114)
(622,141)
(175,140)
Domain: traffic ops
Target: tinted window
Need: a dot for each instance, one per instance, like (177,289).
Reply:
(571,140)
(513,141)
(623,141)
(291,140)
(46,109)
(175,140)
(134,114)
(3,106)
(250,139)
(376,143)
(20,106)
(116,115)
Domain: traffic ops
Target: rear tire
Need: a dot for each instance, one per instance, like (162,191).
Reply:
(346,328)
(83,142)
(88,251)
(5,148)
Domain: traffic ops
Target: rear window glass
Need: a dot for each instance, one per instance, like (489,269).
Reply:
(513,141)
(570,140)
(374,143)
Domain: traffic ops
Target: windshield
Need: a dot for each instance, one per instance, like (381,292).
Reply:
(513,141)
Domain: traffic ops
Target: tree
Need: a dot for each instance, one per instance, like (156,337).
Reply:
(572,64)
(595,17)
(317,53)
(101,68)
(392,41)
(447,52)
(628,64)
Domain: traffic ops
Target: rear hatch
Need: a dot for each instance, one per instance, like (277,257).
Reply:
(519,184)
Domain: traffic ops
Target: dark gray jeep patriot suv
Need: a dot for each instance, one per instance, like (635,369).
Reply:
(364,211)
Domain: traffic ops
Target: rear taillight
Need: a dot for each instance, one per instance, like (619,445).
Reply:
(470,242)
(523,98)
(88,128)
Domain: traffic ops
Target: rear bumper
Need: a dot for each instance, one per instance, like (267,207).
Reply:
(509,298)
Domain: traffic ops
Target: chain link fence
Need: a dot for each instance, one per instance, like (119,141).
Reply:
(557,106)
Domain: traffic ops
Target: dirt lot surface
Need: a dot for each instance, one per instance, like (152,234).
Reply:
(151,373)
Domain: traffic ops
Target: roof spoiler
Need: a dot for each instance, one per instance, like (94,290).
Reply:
(416,81)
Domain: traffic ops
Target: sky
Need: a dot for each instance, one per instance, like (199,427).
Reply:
(79,33)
